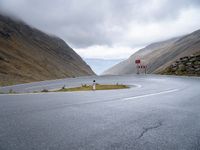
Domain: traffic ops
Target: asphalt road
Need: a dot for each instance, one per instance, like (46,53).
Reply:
(157,113)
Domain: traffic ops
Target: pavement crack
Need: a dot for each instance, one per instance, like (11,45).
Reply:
(145,130)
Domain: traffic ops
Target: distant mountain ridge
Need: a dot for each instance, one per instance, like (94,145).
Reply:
(27,54)
(159,55)
(100,65)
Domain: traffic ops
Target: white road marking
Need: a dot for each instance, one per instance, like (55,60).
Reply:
(128,98)
(42,86)
(138,85)
(152,94)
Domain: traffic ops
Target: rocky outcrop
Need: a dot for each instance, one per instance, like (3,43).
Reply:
(27,55)
(188,65)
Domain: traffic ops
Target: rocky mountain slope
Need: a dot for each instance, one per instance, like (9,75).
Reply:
(188,65)
(27,54)
(158,56)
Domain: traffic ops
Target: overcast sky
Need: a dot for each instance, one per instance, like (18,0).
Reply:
(109,29)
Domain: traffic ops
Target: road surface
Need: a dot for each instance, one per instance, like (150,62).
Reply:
(156,113)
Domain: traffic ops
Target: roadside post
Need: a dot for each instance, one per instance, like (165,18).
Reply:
(137,62)
(94,85)
(145,69)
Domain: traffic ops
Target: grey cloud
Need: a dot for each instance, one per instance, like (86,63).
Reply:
(89,22)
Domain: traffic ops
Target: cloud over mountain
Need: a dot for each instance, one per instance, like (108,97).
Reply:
(108,23)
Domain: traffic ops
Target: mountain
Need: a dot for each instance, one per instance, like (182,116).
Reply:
(158,56)
(27,54)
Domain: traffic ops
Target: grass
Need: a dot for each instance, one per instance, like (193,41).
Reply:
(8,83)
(84,87)
(2,92)
(98,87)
(9,92)
(169,71)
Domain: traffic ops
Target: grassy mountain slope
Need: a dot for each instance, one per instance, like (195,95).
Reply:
(160,55)
(27,54)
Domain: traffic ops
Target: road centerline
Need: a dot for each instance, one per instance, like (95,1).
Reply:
(152,94)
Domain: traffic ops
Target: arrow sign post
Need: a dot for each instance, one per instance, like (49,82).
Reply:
(137,62)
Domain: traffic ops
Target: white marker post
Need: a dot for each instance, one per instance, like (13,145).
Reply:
(94,85)
(145,69)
